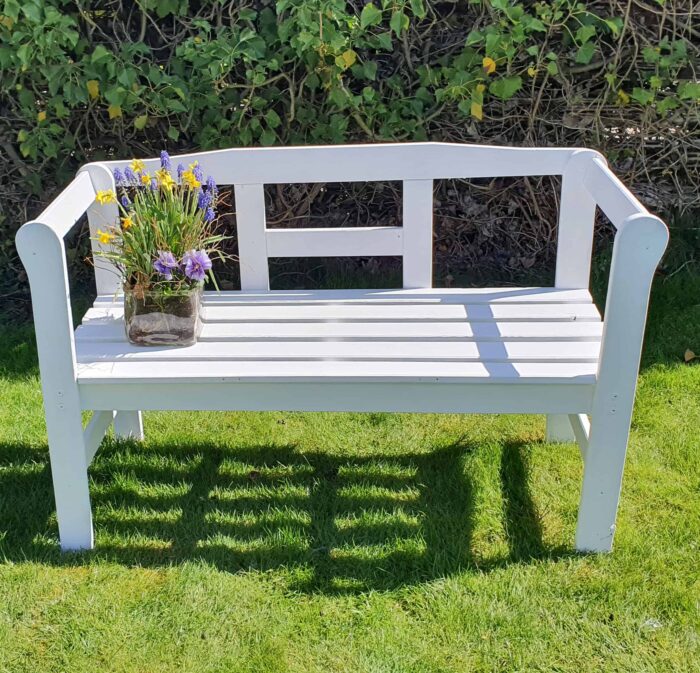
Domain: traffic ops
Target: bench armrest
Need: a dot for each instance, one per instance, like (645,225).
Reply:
(42,251)
(640,241)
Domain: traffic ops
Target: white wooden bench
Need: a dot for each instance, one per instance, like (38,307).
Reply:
(418,349)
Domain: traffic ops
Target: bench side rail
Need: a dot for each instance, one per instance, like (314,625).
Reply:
(417,165)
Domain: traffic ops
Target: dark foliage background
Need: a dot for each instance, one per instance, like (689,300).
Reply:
(82,81)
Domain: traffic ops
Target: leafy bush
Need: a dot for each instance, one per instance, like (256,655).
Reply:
(117,79)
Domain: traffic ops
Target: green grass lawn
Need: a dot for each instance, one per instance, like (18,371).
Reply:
(357,542)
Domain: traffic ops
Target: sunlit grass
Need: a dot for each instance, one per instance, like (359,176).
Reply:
(356,542)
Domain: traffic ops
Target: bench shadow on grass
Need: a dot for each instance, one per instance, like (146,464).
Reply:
(335,523)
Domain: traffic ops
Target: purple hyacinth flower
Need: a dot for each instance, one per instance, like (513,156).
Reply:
(118,177)
(129,176)
(180,171)
(165,264)
(209,215)
(211,186)
(165,160)
(125,201)
(204,200)
(154,185)
(197,172)
(196,263)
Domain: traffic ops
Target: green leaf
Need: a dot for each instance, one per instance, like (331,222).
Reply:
(268,137)
(614,25)
(642,95)
(398,22)
(474,37)
(100,55)
(585,53)
(665,105)
(173,133)
(506,87)
(370,16)
(418,8)
(370,69)
(385,41)
(585,33)
(689,90)
(273,119)
(552,68)
(140,122)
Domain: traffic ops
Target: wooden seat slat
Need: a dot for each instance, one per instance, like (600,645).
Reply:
(335,371)
(110,329)
(457,350)
(379,313)
(477,295)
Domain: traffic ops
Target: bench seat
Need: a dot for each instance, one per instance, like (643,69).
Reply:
(501,335)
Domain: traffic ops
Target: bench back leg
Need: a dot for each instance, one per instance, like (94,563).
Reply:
(559,428)
(128,425)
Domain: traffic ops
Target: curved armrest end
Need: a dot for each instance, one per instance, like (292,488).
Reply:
(37,243)
(645,237)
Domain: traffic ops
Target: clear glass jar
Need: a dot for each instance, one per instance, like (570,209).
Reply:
(157,318)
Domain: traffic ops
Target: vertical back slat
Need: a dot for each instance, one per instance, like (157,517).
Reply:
(576,219)
(252,243)
(107,276)
(417,233)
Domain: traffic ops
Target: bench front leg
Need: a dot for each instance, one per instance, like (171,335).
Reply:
(639,244)
(70,477)
(43,254)
(128,425)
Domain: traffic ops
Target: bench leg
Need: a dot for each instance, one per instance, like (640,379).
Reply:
(602,481)
(559,428)
(70,480)
(128,425)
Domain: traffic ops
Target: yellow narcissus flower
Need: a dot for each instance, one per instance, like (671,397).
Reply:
(127,222)
(105,196)
(145,179)
(138,166)
(104,237)
(189,179)
(164,178)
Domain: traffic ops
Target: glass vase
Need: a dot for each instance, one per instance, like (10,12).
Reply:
(162,318)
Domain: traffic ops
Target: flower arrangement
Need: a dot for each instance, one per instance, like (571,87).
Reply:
(162,245)
(166,236)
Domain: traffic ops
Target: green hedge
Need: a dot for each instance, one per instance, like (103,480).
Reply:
(81,81)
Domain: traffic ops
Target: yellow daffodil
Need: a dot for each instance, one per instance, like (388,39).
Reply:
(145,179)
(165,180)
(105,196)
(104,237)
(138,166)
(189,179)
(127,221)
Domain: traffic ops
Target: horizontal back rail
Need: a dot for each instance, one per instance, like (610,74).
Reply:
(335,242)
(369,163)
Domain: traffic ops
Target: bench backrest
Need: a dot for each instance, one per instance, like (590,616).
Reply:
(417,165)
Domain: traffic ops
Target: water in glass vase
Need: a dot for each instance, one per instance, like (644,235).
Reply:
(157,318)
